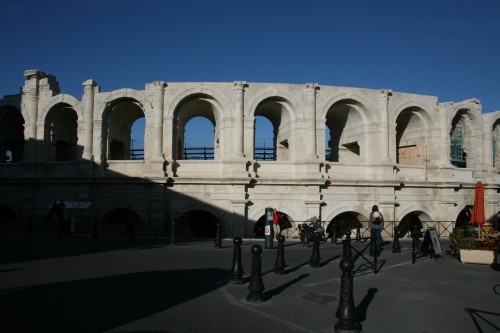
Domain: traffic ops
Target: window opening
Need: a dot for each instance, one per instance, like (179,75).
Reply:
(199,139)
(458,155)
(264,140)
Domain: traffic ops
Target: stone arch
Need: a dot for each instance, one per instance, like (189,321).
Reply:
(117,120)
(11,134)
(189,107)
(346,119)
(60,133)
(465,128)
(62,99)
(410,121)
(279,112)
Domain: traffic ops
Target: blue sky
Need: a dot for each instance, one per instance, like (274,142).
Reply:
(446,48)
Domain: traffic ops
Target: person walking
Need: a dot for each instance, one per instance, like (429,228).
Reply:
(376,222)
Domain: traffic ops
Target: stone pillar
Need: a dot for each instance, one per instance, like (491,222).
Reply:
(239,217)
(88,98)
(159,90)
(445,134)
(384,152)
(29,104)
(488,146)
(311,149)
(239,94)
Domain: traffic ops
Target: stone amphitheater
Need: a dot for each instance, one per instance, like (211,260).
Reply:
(336,151)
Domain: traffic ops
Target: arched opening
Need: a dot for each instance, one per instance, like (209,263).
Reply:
(275,111)
(8,219)
(259,226)
(11,135)
(202,108)
(410,143)
(464,139)
(199,139)
(61,134)
(121,216)
(343,223)
(264,139)
(345,127)
(137,139)
(196,224)
(463,218)
(117,128)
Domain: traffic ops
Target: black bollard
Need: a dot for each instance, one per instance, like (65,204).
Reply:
(29,227)
(346,312)
(396,248)
(414,244)
(373,240)
(172,235)
(358,233)
(315,258)
(218,241)
(256,286)
(279,264)
(334,233)
(346,250)
(95,230)
(236,276)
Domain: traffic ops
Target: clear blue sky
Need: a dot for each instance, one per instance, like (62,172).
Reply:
(446,48)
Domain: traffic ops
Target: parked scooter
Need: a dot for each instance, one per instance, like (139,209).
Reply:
(308,228)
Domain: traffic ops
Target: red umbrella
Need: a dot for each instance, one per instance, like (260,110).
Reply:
(477,216)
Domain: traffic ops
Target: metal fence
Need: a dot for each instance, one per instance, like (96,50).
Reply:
(160,224)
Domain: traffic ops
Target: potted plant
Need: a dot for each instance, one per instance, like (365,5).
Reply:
(470,249)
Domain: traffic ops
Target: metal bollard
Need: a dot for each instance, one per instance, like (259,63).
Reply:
(346,249)
(172,235)
(279,265)
(236,276)
(396,248)
(373,240)
(334,233)
(315,257)
(256,286)
(218,241)
(346,311)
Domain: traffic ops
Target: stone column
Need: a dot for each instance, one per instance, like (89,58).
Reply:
(384,125)
(445,134)
(488,145)
(29,104)
(88,97)
(239,94)
(311,89)
(159,90)
(238,218)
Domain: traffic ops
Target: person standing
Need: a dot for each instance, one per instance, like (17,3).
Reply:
(376,222)
(276,222)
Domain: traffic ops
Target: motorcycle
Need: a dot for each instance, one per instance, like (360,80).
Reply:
(309,228)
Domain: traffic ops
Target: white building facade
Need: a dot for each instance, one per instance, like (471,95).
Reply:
(336,151)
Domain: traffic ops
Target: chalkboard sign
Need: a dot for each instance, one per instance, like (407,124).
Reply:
(436,244)
(431,242)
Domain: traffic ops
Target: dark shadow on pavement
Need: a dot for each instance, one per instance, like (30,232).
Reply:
(479,315)
(276,291)
(100,304)
(362,308)
(323,263)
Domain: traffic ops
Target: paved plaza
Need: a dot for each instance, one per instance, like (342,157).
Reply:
(74,284)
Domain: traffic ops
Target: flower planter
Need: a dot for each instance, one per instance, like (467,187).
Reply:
(483,257)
